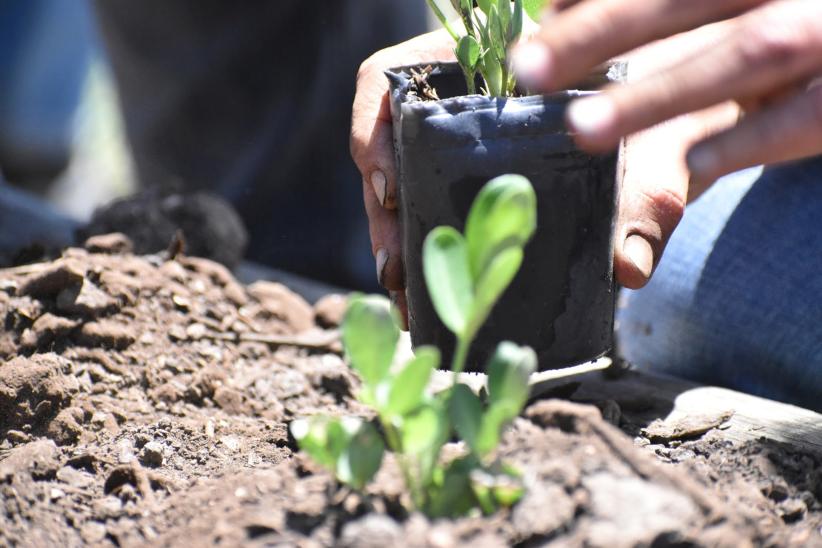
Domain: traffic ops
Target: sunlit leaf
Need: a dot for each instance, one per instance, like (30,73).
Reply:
(421,430)
(362,457)
(492,72)
(453,496)
(468,52)
(444,14)
(423,434)
(504,10)
(484,5)
(448,277)
(534,8)
(312,437)
(503,214)
(408,387)
(508,374)
(494,420)
(465,411)
(515,28)
(497,32)
(509,371)
(369,335)
(493,282)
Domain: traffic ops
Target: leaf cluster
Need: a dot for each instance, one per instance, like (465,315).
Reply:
(489,30)
(465,274)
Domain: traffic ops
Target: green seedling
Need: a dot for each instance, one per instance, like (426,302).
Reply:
(466,273)
(483,36)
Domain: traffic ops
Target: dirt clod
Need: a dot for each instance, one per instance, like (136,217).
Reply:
(329,310)
(115,243)
(146,401)
(687,427)
(49,281)
(152,454)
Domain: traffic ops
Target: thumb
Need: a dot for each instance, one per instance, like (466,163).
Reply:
(652,200)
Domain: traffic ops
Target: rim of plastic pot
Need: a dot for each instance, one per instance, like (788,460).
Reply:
(400,79)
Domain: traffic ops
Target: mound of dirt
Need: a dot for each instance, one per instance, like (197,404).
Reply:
(146,401)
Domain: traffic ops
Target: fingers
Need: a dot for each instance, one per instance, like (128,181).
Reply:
(655,186)
(764,51)
(652,198)
(788,131)
(371,139)
(586,34)
(373,152)
(371,134)
(384,230)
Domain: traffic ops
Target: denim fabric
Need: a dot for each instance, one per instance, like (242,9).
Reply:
(737,298)
(46,47)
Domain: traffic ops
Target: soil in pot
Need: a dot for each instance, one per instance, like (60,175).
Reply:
(562,301)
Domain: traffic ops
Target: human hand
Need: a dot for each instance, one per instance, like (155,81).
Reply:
(373,151)
(757,54)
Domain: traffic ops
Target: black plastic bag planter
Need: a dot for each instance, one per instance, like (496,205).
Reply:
(562,301)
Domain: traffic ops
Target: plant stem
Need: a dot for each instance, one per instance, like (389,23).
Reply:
(396,448)
(469,81)
(443,20)
(460,355)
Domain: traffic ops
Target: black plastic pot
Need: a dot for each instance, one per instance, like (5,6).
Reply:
(562,301)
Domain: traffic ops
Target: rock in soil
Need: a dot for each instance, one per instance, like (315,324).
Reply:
(146,401)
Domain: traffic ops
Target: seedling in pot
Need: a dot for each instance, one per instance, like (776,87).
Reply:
(466,274)
(487,33)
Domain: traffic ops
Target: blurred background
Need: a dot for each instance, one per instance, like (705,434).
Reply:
(226,119)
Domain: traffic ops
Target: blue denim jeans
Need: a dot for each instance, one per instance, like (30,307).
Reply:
(737,298)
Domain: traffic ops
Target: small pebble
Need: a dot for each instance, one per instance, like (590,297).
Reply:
(152,454)
(93,531)
(792,510)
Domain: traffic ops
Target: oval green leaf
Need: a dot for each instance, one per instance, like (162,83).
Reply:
(448,277)
(408,387)
(369,335)
(468,53)
(534,8)
(515,28)
(493,282)
(362,457)
(509,371)
(421,430)
(504,214)
(465,412)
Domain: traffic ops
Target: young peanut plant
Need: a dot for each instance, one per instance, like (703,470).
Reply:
(488,33)
(465,274)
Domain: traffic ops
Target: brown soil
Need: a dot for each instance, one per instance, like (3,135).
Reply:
(146,402)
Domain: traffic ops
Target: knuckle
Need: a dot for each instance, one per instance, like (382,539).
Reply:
(374,64)
(774,44)
(663,210)
(365,69)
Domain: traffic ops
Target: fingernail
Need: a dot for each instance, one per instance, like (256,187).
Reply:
(382,260)
(592,116)
(532,64)
(378,181)
(702,160)
(639,252)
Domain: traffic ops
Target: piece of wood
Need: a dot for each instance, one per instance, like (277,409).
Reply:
(645,396)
